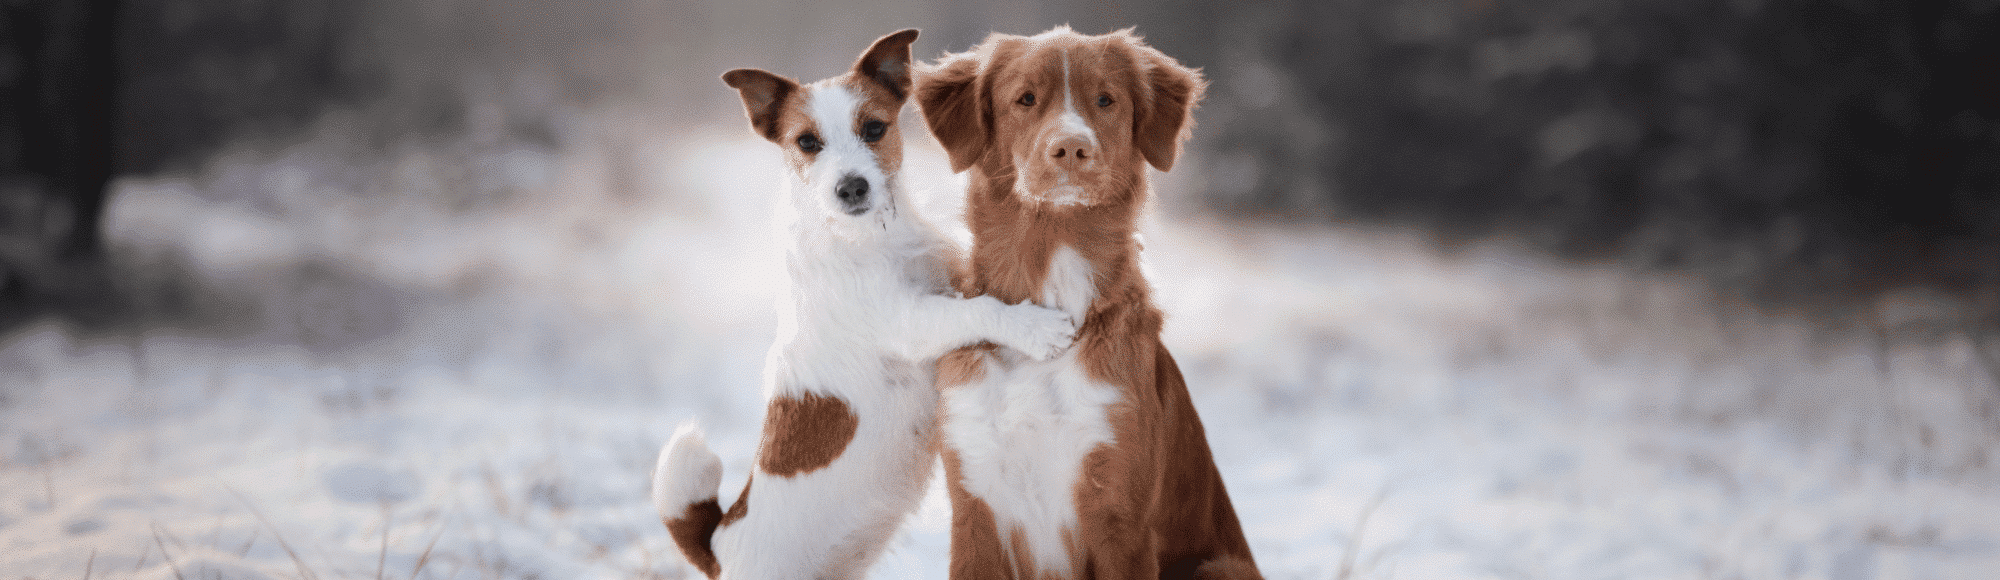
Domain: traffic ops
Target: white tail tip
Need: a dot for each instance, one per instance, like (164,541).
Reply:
(687,472)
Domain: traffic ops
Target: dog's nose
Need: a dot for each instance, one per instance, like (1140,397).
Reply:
(853,191)
(1070,150)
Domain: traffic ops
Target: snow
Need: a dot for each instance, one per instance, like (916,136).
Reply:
(413,381)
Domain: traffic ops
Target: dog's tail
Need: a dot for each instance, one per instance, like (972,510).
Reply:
(684,490)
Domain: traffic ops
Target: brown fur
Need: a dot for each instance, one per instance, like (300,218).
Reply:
(976,551)
(692,529)
(1151,504)
(881,102)
(765,97)
(741,507)
(695,525)
(803,434)
(963,366)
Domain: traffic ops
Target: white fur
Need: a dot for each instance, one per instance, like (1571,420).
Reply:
(1069,286)
(1065,192)
(687,453)
(1023,429)
(1062,194)
(1071,121)
(833,108)
(866,313)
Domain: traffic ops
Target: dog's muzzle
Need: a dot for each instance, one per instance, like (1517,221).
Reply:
(853,192)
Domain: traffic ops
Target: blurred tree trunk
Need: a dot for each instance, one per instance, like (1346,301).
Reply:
(58,75)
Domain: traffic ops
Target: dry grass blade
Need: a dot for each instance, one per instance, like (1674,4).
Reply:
(382,557)
(143,555)
(304,573)
(1360,525)
(88,564)
(486,567)
(245,550)
(425,558)
(168,535)
(215,534)
(163,552)
(495,488)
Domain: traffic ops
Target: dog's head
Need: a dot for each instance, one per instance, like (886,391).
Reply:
(839,134)
(1075,117)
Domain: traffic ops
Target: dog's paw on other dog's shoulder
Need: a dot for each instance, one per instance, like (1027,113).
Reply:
(1044,332)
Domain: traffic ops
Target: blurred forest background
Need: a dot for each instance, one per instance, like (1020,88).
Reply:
(1565,288)
(1795,152)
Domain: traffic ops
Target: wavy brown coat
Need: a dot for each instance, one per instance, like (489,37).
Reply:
(1151,503)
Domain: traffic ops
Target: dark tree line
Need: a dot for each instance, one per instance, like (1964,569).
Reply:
(1787,149)
(93,89)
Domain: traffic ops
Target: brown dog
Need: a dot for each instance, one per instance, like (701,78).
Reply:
(1092,464)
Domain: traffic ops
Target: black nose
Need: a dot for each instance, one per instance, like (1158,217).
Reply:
(853,192)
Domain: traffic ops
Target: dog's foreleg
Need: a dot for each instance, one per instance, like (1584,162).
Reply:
(935,324)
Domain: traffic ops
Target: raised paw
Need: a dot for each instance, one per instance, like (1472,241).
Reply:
(1042,333)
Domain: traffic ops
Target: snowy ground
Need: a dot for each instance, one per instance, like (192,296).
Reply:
(457,360)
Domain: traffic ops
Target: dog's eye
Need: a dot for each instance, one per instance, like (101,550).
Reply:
(1027,100)
(872,131)
(1104,100)
(809,143)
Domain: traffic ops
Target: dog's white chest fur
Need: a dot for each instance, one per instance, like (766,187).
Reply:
(1068,287)
(1023,429)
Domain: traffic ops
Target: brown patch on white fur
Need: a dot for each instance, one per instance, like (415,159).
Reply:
(880,102)
(964,365)
(1150,503)
(692,529)
(695,525)
(803,434)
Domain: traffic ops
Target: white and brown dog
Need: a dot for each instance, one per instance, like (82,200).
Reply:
(1092,464)
(850,437)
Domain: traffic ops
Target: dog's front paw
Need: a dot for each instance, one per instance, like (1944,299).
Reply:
(1042,333)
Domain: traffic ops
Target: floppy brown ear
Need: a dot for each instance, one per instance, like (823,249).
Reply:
(1166,117)
(949,94)
(887,62)
(764,94)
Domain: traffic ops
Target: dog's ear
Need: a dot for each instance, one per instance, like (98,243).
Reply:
(764,95)
(949,92)
(1165,116)
(887,62)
